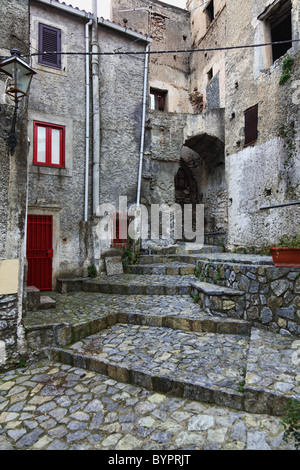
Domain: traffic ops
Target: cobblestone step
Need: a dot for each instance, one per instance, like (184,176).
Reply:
(135,284)
(219,300)
(258,374)
(52,406)
(173,269)
(199,366)
(81,314)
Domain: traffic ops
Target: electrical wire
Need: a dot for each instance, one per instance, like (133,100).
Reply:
(174,51)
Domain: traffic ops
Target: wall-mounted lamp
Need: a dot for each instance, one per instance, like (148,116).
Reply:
(21,75)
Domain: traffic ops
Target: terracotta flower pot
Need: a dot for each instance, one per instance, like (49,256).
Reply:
(287,257)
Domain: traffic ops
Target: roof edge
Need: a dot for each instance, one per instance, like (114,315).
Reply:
(88,16)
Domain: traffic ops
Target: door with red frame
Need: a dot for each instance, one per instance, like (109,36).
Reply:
(39,251)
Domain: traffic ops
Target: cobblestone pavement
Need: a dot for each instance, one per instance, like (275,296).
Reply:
(48,405)
(84,306)
(51,406)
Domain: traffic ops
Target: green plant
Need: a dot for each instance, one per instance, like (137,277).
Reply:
(287,65)
(130,256)
(241,386)
(197,271)
(22,363)
(288,133)
(291,422)
(92,270)
(195,298)
(218,275)
(289,242)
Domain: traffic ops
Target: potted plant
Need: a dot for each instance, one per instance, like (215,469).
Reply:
(287,252)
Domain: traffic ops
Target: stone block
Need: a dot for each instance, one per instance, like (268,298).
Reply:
(228,305)
(33,298)
(114,265)
(286,312)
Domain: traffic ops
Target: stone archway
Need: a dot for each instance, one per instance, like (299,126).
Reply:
(203,155)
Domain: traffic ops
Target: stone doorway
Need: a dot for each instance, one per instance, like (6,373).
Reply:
(203,159)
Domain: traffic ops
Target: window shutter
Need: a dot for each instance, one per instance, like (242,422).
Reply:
(251,119)
(49,41)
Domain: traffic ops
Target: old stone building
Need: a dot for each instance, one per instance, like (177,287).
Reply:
(92,105)
(230,140)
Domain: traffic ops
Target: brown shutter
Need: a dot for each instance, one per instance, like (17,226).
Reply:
(251,119)
(50,41)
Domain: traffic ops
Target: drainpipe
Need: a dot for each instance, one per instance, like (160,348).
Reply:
(96,109)
(87,131)
(143,126)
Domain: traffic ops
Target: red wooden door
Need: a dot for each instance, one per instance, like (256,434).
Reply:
(39,251)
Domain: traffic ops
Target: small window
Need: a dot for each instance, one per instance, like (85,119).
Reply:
(251,120)
(50,42)
(48,144)
(158,100)
(210,75)
(210,12)
(281,30)
(277,20)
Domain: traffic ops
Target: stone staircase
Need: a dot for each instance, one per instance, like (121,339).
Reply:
(201,343)
(36,301)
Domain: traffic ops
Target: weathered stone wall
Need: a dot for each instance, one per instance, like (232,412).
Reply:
(168,26)
(207,69)
(266,173)
(13,189)
(271,294)
(8,330)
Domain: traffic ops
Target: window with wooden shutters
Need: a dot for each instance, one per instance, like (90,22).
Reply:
(50,42)
(251,120)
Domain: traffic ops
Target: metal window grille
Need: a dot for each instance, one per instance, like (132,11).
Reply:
(120,223)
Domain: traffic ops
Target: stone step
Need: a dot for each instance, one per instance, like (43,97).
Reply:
(258,374)
(136,284)
(183,248)
(32,298)
(273,372)
(198,366)
(209,257)
(173,269)
(35,301)
(168,259)
(219,300)
(237,258)
(46,302)
(82,314)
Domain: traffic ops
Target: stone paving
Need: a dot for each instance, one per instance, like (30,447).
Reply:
(147,371)
(52,406)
